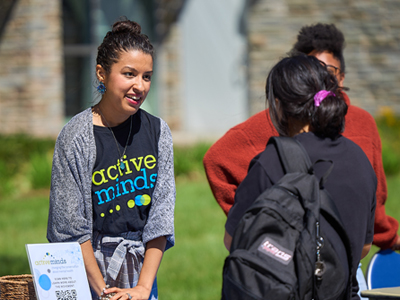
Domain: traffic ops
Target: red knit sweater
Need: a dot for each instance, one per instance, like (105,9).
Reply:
(227,161)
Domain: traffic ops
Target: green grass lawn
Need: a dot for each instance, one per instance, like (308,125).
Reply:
(193,268)
(190,270)
(22,221)
(392,208)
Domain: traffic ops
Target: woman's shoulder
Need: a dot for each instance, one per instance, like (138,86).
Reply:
(267,159)
(317,145)
(79,125)
(146,116)
(359,122)
(153,121)
(351,146)
(353,155)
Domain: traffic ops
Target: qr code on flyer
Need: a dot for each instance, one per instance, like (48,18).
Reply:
(66,295)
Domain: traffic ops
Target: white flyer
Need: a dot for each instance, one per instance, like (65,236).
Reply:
(58,271)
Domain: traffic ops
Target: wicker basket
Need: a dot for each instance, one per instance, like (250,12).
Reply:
(15,287)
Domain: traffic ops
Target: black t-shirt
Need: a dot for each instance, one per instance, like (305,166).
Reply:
(352,185)
(122,196)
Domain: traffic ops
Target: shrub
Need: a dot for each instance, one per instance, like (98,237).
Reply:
(6,184)
(22,163)
(25,162)
(188,160)
(40,171)
(389,130)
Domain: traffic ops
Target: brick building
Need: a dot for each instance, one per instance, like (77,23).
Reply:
(31,73)
(211,63)
(372,33)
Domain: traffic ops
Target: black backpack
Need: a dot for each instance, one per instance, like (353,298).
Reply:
(290,244)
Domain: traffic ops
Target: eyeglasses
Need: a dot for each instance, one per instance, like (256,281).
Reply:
(334,70)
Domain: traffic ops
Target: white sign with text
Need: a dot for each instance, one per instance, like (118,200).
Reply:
(58,271)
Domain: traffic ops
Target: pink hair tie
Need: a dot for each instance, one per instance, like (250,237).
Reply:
(321,95)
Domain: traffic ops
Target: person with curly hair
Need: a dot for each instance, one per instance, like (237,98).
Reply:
(226,162)
(325,42)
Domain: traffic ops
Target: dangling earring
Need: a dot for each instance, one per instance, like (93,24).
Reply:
(101,88)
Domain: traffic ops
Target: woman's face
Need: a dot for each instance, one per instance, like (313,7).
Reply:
(331,62)
(127,84)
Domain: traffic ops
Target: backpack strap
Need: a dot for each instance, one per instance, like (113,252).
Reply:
(325,176)
(331,214)
(296,159)
(293,156)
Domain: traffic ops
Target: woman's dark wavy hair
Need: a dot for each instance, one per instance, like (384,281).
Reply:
(293,82)
(125,35)
(321,37)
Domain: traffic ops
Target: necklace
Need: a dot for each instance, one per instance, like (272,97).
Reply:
(121,156)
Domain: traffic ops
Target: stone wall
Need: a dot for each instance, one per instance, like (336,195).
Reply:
(31,74)
(169,70)
(372,33)
(31,57)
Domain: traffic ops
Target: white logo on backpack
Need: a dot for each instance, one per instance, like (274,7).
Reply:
(276,251)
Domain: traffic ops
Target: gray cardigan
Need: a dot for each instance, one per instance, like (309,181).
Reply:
(71,211)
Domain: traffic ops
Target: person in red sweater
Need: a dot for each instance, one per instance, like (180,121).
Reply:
(227,161)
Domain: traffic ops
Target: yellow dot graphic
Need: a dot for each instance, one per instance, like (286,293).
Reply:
(102,215)
(111,211)
(146,199)
(142,200)
(131,203)
(118,208)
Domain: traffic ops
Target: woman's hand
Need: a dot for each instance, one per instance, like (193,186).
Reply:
(396,245)
(136,293)
(94,275)
(227,240)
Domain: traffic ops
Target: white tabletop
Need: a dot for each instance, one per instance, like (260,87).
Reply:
(382,293)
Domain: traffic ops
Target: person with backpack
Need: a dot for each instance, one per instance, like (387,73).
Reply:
(227,161)
(306,103)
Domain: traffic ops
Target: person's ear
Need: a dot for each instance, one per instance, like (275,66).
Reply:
(340,78)
(100,73)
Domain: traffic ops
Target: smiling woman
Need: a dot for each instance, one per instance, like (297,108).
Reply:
(113,187)
(126,87)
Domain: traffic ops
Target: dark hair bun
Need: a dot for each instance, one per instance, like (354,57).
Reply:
(125,35)
(320,37)
(328,119)
(126,26)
